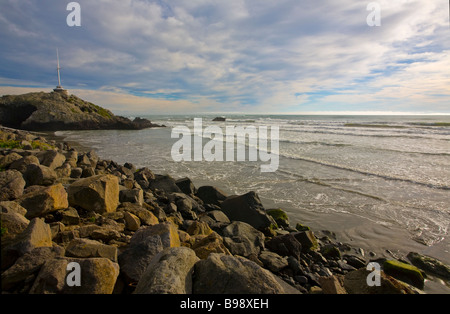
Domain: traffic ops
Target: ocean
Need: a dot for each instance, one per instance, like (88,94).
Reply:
(379,182)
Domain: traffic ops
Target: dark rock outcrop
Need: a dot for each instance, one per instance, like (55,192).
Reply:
(56,111)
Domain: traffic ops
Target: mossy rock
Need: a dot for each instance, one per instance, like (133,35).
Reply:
(280,217)
(330,251)
(307,240)
(404,272)
(302,227)
(430,265)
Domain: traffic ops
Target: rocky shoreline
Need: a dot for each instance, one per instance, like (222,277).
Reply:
(133,231)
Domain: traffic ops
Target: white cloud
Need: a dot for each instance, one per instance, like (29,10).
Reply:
(248,54)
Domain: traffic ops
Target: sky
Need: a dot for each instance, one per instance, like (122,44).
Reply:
(234,56)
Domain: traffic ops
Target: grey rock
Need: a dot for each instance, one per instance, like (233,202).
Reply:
(51,159)
(98,276)
(99,193)
(330,251)
(6,161)
(21,164)
(285,245)
(76,172)
(186,186)
(39,175)
(28,264)
(132,196)
(225,274)
(211,195)
(247,208)
(430,265)
(145,215)
(13,224)
(144,245)
(86,248)
(37,234)
(273,261)
(87,172)
(165,183)
(306,239)
(42,200)
(70,216)
(218,216)
(11,185)
(355,261)
(169,272)
(242,239)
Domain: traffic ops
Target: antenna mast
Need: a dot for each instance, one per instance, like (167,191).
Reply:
(59,87)
(58,68)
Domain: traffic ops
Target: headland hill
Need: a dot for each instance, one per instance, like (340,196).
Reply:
(134,231)
(57,110)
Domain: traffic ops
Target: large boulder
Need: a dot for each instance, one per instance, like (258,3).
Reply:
(247,208)
(165,183)
(144,245)
(273,261)
(12,224)
(131,196)
(7,160)
(39,175)
(85,248)
(307,239)
(355,282)
(199,227)
(225,274)
(186,186)
(242,239)
(404,272)
(285,245)
(185,204)
(51,159)
(170,272)
(218,216)
(145,216)
(21,164)
(331,285)
(44,200)
(98,193)
(37,234)
(280,217)
(211,195)
(27,265)
(11,185)
(12,207)
(98,276)
(13,221)
(213,243)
